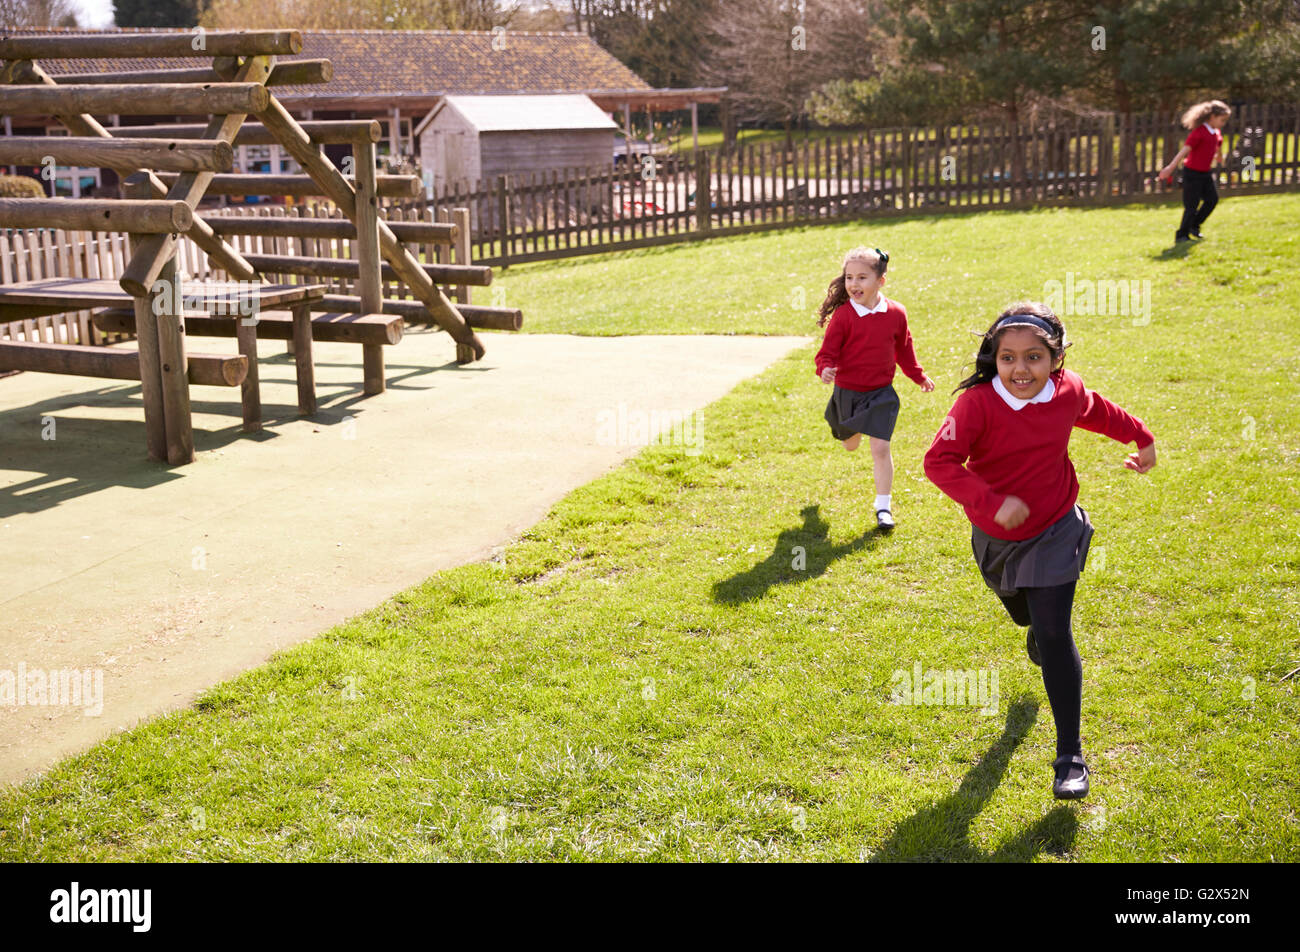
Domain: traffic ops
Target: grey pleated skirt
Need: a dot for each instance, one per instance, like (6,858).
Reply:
(873,412)
(1053,557)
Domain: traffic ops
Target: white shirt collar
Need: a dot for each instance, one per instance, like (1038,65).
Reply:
(881,305)
(1017,403)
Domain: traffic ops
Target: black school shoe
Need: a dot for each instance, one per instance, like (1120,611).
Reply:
(1031,646)
(1064,789)
(885,520)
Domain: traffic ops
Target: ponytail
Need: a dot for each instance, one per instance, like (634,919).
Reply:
(836,293)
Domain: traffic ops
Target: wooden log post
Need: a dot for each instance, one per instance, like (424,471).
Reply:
(88,214)
(138,99)
(461,246)
(250,391)
(83,360)
(291,73)
(173,367)
(322,132)
(132,45)
(222,255)
(475,274)
(322,228)
(314,163)
(366,248)
(299,186)
(185,155)
(302,357)
(146,332)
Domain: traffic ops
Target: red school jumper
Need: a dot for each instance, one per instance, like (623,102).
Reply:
(1021,452)
(1203,145)
(865,347)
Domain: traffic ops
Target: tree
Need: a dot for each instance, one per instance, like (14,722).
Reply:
(137,13)
(37,14)
(776,52)
(659,40)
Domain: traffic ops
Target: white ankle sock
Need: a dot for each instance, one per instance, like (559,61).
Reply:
(882,502)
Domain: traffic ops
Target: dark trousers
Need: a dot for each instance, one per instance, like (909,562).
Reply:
(1047,610)
(1200,195)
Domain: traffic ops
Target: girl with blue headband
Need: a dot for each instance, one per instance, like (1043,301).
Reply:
(1003,453)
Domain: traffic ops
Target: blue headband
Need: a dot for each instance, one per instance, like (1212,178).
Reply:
(1032,320)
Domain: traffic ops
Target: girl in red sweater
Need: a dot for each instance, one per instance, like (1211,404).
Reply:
(1003,453)
(1199,154)
(866,338)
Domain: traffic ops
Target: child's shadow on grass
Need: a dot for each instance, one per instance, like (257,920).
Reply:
(1180,250)
(799,554)
(941,831)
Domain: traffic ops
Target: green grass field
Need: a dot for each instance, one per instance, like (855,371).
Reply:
(651,672)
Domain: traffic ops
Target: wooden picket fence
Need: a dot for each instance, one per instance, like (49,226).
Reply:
(34,254)
(1089,161)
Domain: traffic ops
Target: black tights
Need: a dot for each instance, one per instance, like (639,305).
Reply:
(1199,198)
(1047,611)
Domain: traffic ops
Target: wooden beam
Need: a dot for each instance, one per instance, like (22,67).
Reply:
(322,132)
(120,45)
(150,377)
(209,370)
(343,194)
(477,275)
(369,286)
(219,253)
(173,367)
(291,73)
(93,214)
(299,186)
(414,312)
(325,228)
(382,330)
(189,187)
(138,99)
(183,155)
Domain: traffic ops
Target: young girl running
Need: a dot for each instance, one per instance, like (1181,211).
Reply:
(1201,152)
(1003,453)
(867,336)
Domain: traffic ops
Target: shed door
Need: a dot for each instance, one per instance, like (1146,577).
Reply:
(456,155)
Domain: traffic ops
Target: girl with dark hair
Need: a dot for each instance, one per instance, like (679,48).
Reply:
(866,338)
(1003,453)
(1198,155)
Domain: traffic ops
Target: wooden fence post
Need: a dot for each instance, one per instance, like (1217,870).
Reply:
(460,216)
(703,199)
(503,217)
(1106,155)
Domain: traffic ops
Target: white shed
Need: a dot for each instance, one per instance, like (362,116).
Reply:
(472,138)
